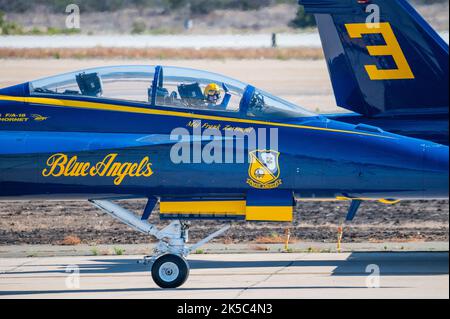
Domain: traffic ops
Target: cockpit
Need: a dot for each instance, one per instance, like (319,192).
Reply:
(175,88)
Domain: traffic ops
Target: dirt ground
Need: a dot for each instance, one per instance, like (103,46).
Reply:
(51,222)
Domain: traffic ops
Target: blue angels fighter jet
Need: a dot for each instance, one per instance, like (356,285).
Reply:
(209,147)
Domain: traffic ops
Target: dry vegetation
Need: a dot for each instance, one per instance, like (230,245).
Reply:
(71,241)
(263,16)
(133,53)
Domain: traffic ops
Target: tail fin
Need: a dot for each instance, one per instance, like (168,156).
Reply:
(397,64)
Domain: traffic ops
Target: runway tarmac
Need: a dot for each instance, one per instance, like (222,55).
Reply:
(234,276)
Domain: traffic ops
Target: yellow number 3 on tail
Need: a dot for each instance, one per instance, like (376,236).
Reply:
(392,48)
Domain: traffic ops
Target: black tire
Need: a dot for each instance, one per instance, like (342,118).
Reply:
(170,271)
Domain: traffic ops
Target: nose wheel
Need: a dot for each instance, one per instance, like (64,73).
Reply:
(170,271)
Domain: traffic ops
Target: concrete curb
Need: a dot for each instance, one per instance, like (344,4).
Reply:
(146,249)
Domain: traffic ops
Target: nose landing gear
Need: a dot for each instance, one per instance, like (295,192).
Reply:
(169,267)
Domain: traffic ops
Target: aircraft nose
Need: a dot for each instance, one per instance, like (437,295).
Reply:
(435,169)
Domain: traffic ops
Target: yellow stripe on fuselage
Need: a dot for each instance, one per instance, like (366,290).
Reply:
(204,207)
(228,208)
(269,213)
(140,110)
(381,200)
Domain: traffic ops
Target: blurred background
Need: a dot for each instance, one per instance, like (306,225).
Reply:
(178,17)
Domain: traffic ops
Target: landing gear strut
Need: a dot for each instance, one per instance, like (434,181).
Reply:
(169,267)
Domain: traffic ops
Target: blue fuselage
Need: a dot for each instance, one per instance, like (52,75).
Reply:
(429,126)
(318,158)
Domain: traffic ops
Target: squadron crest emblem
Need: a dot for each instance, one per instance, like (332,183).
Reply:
(264,169)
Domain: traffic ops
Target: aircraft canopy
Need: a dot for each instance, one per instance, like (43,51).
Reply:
(169,87)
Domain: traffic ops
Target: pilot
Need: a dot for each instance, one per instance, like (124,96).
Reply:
(212,96)
(212,93)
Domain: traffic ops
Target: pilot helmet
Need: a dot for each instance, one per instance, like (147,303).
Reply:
(212,93)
